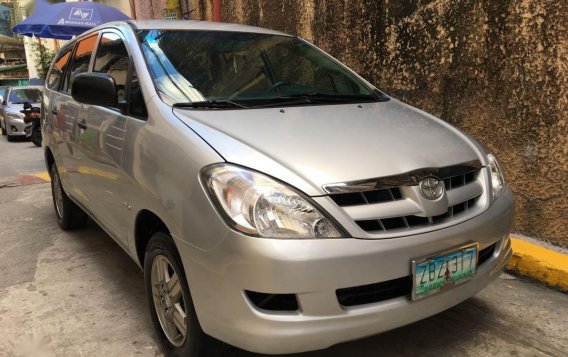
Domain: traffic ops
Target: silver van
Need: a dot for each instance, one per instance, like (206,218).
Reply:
(275,200)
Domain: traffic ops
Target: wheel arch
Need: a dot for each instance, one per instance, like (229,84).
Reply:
(49,158)
(147,223)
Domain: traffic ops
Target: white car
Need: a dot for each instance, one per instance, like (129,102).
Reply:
(11,119)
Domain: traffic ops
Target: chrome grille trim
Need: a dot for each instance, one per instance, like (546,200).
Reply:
(464,193)
(467,206)
(396,210)
(411,178)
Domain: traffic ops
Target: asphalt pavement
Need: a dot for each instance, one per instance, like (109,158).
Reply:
(79,294)
(19,157)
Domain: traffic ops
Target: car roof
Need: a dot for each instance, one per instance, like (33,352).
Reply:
(190,25)
(174,25)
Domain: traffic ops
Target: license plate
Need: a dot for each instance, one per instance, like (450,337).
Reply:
(443,271)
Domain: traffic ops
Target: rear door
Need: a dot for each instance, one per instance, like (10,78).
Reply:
(67,113)
(57,122)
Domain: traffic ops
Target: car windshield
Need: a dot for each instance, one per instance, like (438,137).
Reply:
(20,96)
(246,70)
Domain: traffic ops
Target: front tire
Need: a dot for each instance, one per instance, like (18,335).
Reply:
(69,215)
(171,306)
(36,137)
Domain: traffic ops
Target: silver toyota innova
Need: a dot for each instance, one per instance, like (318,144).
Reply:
(276,200)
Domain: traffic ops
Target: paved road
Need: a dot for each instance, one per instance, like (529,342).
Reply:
(78,294)
(19,157)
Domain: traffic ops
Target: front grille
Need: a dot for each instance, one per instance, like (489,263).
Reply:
(459,180)
(388,224)
(386,290)
(388,210)
(368,197)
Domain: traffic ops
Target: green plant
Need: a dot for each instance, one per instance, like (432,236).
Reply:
(44,57)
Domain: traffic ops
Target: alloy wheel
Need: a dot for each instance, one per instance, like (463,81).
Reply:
(57,194)
(169,300)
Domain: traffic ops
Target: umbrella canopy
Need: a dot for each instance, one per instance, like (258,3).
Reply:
(67,19)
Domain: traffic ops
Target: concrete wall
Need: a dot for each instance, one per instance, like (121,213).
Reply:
(498,69)
(149,9)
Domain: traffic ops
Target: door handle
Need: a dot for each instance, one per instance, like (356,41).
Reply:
(82,125)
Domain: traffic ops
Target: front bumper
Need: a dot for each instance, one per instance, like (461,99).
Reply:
(18,124)
(315,269)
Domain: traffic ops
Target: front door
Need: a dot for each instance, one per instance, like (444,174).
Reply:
(101,141)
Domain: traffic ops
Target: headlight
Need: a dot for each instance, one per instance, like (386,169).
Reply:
(497,179)
(15,115)
(258,205)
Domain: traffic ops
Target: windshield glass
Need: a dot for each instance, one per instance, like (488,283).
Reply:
(245,68)
(20,96)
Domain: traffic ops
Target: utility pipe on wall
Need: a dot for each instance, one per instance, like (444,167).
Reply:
(217,10)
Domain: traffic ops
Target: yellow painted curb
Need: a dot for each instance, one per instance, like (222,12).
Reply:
(42,175)
(536,262)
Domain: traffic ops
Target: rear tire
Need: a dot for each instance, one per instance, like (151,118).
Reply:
(171,306)
(4,131)
(69,215)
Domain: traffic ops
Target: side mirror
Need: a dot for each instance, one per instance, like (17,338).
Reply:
(95,89)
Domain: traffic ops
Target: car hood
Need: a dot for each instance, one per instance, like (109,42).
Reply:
(15,108)
(311,146)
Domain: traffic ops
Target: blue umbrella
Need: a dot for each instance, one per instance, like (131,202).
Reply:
(67,19)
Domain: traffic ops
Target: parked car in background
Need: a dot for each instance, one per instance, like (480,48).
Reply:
(3,90)
(11,117)
(275,199)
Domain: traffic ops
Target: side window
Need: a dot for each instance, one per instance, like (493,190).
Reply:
(112,58)
(58,70)
(81,59)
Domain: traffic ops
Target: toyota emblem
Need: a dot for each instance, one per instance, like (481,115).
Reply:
(432,188)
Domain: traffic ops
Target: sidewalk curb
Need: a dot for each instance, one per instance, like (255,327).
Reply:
(539,263)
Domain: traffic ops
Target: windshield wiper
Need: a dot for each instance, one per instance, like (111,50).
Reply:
(325,96)
(317,98)
(213,104)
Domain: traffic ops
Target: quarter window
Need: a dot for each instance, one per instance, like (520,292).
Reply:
(136,104)
(58,71)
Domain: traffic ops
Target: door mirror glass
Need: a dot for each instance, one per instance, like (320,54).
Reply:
(95,89)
